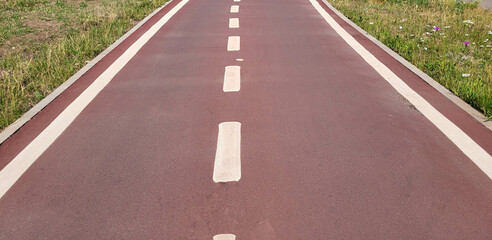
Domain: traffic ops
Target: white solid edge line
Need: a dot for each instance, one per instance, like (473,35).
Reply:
(233,43)
(14,170)
(232,79)
(15,126)
(233,22)
(227,165)
(234,8)
(440,88)
(469,147)
(225,237)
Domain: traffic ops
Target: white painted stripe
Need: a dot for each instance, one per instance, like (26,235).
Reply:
(444,91)
(234,8)
(12,128)
(237,0)
(233,43)
(227,165)
(233,22)
(232,79)
(14,170)
(469,147)
(225,237)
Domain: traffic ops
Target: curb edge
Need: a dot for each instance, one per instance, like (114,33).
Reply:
(15,126)
(436,85)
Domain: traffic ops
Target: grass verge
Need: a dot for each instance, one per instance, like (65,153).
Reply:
(44,42)
(448,40)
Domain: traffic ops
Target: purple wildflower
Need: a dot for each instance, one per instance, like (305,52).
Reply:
(466,43)
(437,28)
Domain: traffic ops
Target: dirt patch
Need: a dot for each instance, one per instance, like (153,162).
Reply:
(43,26)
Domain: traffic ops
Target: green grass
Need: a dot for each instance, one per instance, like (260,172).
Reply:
(408,27)
(44,42)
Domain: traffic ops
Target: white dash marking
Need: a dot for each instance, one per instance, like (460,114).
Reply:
(234,8)
(232,79)
(237,0)
(14,170)
(233,22)
(469,147)
(239,59)
(225,237)
(227,166)
(233,43)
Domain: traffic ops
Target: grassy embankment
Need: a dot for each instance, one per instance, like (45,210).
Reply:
(447,39)
(44,42)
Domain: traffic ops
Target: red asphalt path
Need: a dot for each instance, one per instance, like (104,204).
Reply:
(329,150)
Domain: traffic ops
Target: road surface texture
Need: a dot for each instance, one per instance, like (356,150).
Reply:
(313,142)
(486,4)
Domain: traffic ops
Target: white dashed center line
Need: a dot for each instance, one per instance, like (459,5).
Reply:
(225,237)
(233,43)
(232,79)
(227,167)
(233,22)
(234,8)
